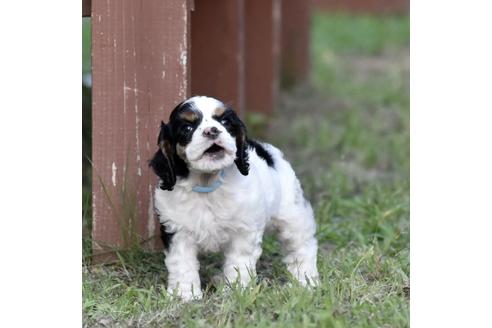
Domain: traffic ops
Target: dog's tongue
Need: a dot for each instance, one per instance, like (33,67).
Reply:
(214,148)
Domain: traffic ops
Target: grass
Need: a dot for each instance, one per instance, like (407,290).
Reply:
(347,136)
(86,41)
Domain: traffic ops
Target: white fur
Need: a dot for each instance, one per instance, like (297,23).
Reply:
(233,218)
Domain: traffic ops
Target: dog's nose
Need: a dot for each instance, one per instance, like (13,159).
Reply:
(211,132)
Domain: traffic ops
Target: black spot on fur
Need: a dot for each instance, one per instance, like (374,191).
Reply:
(237,129)
(166,163)
(180,128)
(164,170)
(261,152)
(166,237)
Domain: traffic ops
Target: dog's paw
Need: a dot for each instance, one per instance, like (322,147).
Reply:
(306,277)
(185,294)
(309,281)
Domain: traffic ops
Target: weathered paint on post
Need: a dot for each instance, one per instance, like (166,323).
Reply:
(217,57)
(140,58)
(262,22)
(295,55)
(364,6)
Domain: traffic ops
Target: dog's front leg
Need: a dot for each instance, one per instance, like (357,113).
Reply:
(182,266)
(241,255)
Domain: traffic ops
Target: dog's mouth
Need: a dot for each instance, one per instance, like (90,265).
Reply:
(214,152)
(213,149)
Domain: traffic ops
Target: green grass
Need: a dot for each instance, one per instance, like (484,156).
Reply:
(347,136)
(366,35)
(86,42)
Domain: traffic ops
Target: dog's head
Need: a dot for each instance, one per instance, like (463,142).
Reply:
(203,135)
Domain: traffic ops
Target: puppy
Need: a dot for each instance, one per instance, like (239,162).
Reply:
(219,190)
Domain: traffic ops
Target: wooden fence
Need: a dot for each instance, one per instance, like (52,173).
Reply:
(147,56)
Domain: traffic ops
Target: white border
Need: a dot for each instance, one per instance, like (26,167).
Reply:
(40,172)
(451,147)
(40,135)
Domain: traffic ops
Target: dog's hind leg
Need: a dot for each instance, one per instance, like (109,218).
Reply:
(296,229)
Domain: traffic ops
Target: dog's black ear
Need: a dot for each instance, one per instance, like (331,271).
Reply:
(239,130)
(163,162)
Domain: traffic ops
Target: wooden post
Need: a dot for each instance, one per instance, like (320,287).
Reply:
(295,54)
(140,70)
(217,58)
(86,8)
(262,23)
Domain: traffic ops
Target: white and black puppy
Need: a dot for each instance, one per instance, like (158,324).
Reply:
(219,191)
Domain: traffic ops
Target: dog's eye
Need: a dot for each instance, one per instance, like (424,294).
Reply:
(224,121)
(187,128)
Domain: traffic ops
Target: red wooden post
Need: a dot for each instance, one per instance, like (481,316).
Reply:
(140,70)
(295,61)
(217,58)
(262,54)
(86,8)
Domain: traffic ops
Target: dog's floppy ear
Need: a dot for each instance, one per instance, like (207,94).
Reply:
(239,130)
(163,161)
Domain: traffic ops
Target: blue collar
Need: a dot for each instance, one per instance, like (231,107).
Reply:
(206,189)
